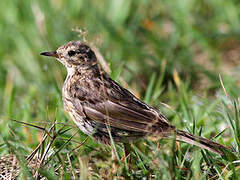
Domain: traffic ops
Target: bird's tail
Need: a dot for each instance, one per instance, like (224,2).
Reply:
(200,142)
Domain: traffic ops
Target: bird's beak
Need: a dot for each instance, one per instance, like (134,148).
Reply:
(52,53)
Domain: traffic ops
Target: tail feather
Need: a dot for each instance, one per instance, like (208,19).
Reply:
(200,142)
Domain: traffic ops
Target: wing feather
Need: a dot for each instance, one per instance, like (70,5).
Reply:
(117,122)
(116,106)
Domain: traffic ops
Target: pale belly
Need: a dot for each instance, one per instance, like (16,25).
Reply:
(80,120)
(81,123)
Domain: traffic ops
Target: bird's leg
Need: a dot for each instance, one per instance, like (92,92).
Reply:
(114,156)
(127,155)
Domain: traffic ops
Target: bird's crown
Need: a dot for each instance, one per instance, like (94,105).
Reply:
(74,53)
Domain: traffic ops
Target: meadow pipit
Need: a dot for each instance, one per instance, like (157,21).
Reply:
(96,103)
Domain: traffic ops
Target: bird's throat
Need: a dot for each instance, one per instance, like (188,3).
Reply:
(88,70)
(71,71)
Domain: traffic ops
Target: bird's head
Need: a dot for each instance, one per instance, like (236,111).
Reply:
(74,54)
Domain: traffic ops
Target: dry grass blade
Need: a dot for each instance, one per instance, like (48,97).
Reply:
(224,89)
(32,125)
(29,158)
(101,59)
(46,150)
(69,161)
(59,148)
(82,143)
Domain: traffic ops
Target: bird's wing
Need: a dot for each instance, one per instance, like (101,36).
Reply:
(120,109)
(119,116)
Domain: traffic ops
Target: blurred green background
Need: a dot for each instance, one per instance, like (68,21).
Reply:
(155,47)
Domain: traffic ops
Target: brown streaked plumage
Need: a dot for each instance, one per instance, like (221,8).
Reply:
(94,100)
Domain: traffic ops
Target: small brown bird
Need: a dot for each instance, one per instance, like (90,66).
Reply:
(96,103)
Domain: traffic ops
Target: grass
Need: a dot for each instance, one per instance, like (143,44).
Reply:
(169,54)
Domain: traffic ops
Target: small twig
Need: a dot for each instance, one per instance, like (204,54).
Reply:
(69,160)
(32,125)
(60,148)
(57,123)
(82,33)
(46,151)
(82,143)
(29,158)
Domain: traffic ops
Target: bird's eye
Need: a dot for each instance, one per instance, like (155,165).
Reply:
(71,53)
